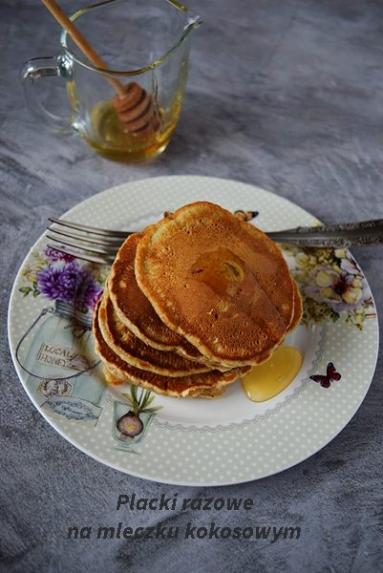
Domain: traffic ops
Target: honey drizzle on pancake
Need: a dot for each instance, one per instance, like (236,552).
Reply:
(221,270)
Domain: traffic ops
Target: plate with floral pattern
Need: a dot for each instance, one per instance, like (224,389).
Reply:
(225,440)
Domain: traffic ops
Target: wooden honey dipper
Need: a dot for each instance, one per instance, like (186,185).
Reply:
(136,110)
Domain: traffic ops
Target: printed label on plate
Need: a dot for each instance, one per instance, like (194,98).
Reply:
(62,356)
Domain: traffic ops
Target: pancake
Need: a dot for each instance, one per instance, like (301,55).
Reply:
(218,281)
(111,376)
(135,352)
(136,312)
(208,384)
(298,308)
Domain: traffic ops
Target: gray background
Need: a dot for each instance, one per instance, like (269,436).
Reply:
(286,95)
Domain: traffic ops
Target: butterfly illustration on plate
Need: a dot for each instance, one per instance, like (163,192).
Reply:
(325,379)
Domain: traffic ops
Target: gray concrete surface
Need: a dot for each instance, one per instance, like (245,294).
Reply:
(286,95)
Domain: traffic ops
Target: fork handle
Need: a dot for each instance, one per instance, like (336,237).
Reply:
(340,235)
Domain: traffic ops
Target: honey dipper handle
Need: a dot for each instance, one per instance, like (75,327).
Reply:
(80,41)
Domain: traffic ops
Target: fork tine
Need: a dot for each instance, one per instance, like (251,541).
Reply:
(112,242)
(89,229)
(105,251)
(82,256)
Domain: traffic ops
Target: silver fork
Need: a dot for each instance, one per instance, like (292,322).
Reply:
(101,245)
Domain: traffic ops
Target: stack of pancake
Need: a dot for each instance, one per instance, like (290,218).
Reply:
(193,303)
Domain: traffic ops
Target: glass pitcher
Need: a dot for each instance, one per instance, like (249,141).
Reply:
(144,45)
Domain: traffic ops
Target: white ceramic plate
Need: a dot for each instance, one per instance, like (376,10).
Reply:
(197,442)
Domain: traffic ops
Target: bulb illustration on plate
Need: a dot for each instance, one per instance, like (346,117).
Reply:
(131,425)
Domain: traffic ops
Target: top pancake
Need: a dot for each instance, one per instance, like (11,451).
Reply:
(135,310)
(219,282)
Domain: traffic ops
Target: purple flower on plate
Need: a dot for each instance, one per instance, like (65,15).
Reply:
(342,288)
(54,255)
(69,282)
(350,267)
(49,283)
(89,290)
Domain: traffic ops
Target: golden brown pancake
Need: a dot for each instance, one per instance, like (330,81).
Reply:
(111,376)
(298,308)
(134,309)
(208,384)
(135,352)
(218,281)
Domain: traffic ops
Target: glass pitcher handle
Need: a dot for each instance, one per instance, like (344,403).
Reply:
(36,69)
